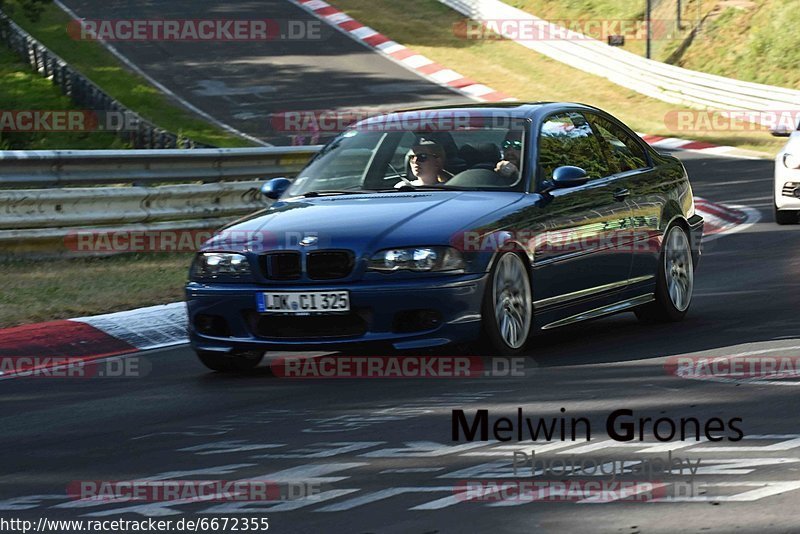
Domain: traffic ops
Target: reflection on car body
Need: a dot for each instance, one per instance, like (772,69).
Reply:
(595,222)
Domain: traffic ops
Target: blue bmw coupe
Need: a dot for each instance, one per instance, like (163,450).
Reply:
(476,224)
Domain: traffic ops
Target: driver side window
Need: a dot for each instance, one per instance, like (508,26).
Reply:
(568,139)
(623,152)
(398,164)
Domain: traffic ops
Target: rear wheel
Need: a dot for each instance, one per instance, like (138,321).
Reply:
(507,311)
(785,216)
(675,280)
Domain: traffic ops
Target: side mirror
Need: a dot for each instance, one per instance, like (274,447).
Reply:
(569,176)
(274,188)
(781,133)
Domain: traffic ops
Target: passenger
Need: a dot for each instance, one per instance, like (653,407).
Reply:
(427,164)
(509,166)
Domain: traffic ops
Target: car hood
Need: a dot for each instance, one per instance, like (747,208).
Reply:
(365,222)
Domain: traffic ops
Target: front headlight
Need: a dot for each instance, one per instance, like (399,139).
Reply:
(418,259)
(220,264)
(791,162)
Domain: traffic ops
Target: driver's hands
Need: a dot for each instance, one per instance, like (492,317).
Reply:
(506,169)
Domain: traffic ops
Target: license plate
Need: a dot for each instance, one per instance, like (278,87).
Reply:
(304,302)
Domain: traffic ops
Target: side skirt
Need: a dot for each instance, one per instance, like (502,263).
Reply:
(603,310)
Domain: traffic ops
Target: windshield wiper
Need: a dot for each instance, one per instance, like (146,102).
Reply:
(326,192)
(410,187)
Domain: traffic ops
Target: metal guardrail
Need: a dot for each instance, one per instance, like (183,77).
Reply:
(31,168)
(664,82)
(150,193)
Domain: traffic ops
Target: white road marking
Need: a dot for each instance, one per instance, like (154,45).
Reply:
(380,495)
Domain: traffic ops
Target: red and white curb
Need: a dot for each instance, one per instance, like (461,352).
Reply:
(37,347)
(674,143)
(724,219)
(30,349)
(443,76)
(406,57)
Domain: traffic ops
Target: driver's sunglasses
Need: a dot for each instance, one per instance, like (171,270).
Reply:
(516,145)
(422,158)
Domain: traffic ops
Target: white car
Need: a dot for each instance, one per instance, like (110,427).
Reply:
(787,179)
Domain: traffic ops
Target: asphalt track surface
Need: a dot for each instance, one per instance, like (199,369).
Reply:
(381,450)
(246,83)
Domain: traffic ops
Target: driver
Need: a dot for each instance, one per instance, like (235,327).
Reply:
(512,149)
(427,159)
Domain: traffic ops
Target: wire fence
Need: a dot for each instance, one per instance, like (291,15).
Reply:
(138,132)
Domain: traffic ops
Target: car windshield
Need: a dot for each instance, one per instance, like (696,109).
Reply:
(387,158)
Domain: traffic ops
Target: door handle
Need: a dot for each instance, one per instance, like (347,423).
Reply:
(621,194)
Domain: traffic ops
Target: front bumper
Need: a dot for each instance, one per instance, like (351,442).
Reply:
(785,194)
(374,305)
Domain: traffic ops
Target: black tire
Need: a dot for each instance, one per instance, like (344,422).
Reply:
(663,309)
(519,304)
(785,216)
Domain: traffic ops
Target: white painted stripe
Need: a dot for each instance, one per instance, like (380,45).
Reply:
(308,500)
(762,489)
(316,4)
(313,472)
(364,32)
(146,328)
(390,47)
(338,18)
(379,496)
(404,470)
(477,89)
(417,61)
(446,76)
(753,216)
(727,152)
(713,222)
(670,142)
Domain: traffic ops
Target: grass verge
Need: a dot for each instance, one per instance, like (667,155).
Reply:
(33,291)
(513,69)
(752,41)
(21,89)
(100,66)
